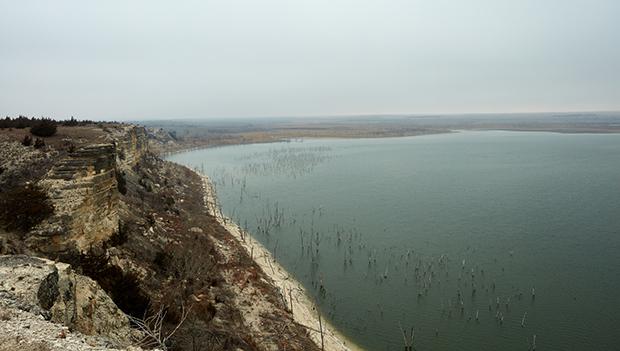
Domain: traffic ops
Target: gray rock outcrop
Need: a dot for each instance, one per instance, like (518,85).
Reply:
(53,291)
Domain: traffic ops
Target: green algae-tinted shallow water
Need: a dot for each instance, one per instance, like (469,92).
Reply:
(431,231)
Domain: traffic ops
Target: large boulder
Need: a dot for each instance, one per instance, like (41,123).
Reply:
(54,291)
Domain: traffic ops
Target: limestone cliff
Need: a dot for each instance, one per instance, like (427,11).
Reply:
(137,226)
(84,191)
(131,142)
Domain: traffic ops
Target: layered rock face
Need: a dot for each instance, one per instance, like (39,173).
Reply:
(83,190)
(130,142)
(55,292)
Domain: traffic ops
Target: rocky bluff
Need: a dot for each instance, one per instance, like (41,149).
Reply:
(84,190)
(137,226)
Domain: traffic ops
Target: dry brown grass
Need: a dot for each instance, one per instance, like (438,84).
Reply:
(79,135)
(5,315)
(12,344)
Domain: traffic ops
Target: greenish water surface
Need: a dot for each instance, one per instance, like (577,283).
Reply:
(431,231)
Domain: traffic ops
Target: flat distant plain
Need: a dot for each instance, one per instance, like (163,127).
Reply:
(197,132)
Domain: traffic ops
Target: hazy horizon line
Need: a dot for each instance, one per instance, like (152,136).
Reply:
(346,115)
(324,116)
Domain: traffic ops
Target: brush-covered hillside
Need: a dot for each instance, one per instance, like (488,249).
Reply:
(98,201)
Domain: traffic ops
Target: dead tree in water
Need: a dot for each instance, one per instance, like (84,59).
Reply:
(408,342)
(532,344)
(320,327)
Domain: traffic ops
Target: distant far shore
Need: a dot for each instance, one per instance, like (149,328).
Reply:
(190,134)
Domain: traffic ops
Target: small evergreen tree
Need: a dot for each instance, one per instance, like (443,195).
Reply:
(121,183)
(27,141)
(21,122)
(22,208)
(71,123)
(39,143)
(44,128)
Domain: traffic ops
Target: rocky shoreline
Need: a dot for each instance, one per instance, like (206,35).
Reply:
(131,229)
(293,294)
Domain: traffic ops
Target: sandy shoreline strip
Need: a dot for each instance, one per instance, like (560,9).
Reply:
(304,312)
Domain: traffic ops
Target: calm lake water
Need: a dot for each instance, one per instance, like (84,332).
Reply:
(431,231)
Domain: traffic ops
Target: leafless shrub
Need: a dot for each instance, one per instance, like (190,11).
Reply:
(197,335)
(151,327)
(192,265)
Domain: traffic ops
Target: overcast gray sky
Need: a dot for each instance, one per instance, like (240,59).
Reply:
(164,59)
